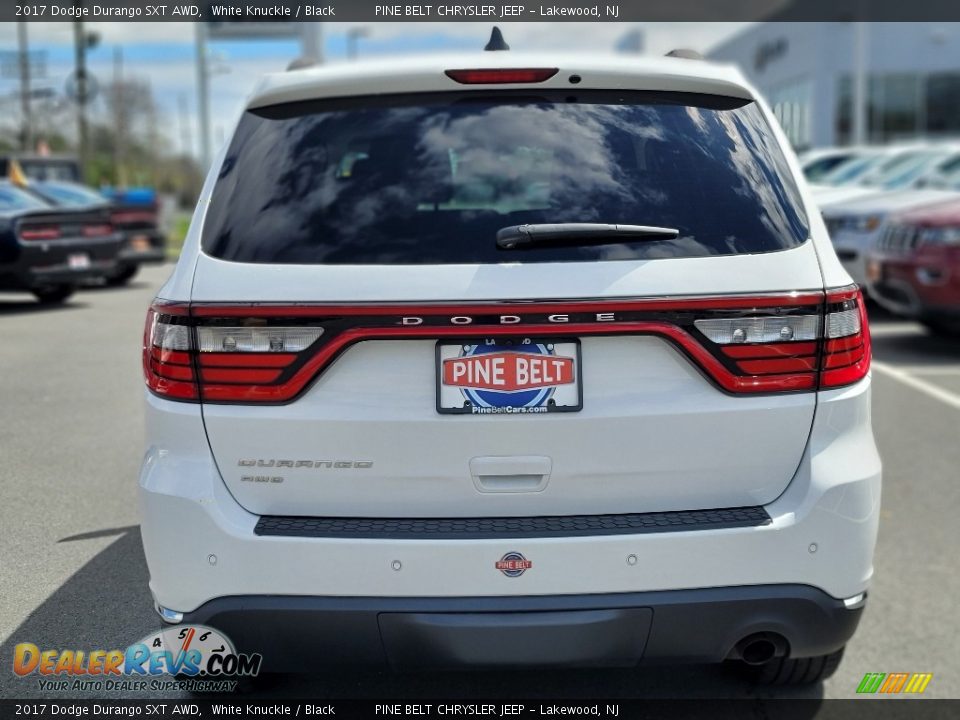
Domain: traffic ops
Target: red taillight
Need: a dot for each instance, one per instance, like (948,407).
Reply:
(825,349)
(167,359)
(217,362)
(846,346)
(101,230)
(501,76)
(47,232)
(793,342)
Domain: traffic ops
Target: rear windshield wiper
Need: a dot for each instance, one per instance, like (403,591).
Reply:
(521,236)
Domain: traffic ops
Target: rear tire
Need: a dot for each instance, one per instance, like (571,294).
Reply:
(122,275)
(53,294)
(793,671)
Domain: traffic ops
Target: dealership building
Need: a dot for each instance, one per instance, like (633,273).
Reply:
(909,74)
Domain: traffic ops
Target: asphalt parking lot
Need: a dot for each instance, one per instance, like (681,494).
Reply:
(73,575)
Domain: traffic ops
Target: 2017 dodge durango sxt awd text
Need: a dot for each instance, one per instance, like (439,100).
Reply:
(511,360)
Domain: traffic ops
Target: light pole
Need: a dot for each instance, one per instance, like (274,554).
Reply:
(311,41)
(203,93)
(26,142)
(861,49)
(353,37)
(80,61)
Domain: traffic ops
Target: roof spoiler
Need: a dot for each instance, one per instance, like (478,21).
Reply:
(685,53)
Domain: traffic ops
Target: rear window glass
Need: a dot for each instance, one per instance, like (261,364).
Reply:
(13,199)
(432,178)
(71,195)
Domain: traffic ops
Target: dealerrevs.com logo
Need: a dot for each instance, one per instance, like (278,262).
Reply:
(201,658)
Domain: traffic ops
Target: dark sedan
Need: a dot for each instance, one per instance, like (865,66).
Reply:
(49,250)
(137,220)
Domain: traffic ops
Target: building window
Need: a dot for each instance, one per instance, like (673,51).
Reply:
(943,104)
(791,103)
(843,122)
(901,106)
(895,107)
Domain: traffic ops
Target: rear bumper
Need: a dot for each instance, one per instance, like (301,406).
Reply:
(625,629)
(48,263)
(202,546)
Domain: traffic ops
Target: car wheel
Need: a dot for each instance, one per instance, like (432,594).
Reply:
(122,275)
(943,328)
(53,294)
(793,671)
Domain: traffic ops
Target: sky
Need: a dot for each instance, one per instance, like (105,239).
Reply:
(164,54)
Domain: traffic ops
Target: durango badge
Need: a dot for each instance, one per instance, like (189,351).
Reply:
(513,564)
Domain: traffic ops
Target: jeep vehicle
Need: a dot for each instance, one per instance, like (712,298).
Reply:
(914,269)
(511,360)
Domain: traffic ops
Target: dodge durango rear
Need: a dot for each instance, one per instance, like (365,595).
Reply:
(507,360)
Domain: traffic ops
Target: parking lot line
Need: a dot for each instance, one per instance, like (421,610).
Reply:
(946,370)
(916,383)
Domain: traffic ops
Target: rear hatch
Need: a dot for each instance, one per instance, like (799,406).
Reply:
(369,349)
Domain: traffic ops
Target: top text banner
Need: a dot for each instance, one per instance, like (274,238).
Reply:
(287,11)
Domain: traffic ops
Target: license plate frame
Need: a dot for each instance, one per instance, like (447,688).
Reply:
(529,401)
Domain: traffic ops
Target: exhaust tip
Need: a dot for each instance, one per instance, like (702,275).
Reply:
(760,648)
(169,616)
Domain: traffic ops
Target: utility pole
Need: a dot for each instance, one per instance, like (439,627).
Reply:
(311,41)
(26,137)
(353,37)
(186,141)
(80,61)
(861,50)
(203,94)
(120,117)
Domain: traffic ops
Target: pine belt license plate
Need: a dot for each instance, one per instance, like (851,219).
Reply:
(509,376)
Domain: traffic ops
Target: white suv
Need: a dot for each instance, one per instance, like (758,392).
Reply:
(511,360)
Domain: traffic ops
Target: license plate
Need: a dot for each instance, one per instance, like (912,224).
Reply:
(509,376)
(140,243)
(874,271)
(78,261)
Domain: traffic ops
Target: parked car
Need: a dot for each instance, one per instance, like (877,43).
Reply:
(472,365)
(135,215)
(914,270)
(856,226)
(903,168)
(947,176)
(841,182)
(816,164)
(49,250)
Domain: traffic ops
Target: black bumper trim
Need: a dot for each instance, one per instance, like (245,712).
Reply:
(510,527)
(623,629)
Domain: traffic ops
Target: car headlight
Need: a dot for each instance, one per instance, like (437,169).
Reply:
(855,223)
(940,236)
